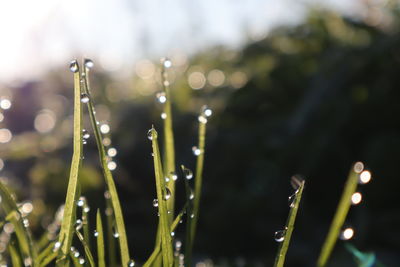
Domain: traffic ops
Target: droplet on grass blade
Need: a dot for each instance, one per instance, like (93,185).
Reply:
(279,236)
(364,177)
(172,233)
(95,233)
(358,167)
(206,111)
(161,97)
(296,181)
(196,151)
(85,98)
(73,66)
(291,200)
(78,224)
(356,198)
(202,119)
(155,202)
(163,115)
(131,263)
(188,173)
(81,202)
(174,176)
(347,233)
(150,134)
(88,63)
(85,134)
(81,261)
(167,193)
(167,63)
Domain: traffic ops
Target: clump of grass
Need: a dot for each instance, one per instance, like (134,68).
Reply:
(284,236)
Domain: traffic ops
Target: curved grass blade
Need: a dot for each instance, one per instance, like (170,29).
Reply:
(23,234)
(111,244)
(119,219)
(100,241)
(86,226)
(340,216)
(162,192)
(88,253)
(284,246)
(45,252)
(66,232)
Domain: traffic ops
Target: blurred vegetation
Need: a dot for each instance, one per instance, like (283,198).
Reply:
(308,99)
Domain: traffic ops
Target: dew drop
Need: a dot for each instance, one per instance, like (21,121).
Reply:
(167,193)
(25,222)
(84,141)
(161,97)
(291,200)
(116,235)
(191,216)
(172,233)
(73,66)
(188,173)
(163,115)
(196,151)
(178,244)
(112,152)
(296,181)
(81,202)
(166,179)
(78,224)
(76,254)
(86,209)
(356,198)
(166,62)
(191,196)
(155,202)
(85,98)
(95,233)
(206,111)
(358,167)
(105,128)
(85,134)
(202,119)
(279,236)
(174,176)
(88,63)
(131,263)
(112,165)
(166,83)
(57,246)
(81,261)
(150,134)
(364,177)
(347,233)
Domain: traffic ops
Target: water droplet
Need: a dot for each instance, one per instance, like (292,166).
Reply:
(81,261)
(105,128)
(85,98)
(358,167)
(80,202)
(76,254)
(57,246)
(155,202)
(279,236)
(364,177)
(84,141)
(86,209)
(28,261)
(174,176)
(167,193)
(191,216)
(196,151)
(356,198)
(112,152)
(206,111)
(188,173)
(107,194)
(347,233)
(172,233)
(85,134)
(178,244)
(166,62)
(291,200)
(161,97)
(131,263)
(150,134)
(191,196)
(163,115)
(112,165)
(166,179)
(95,233)
(116,235)
(296,181)
(88,63)
(108,211)
(202,119)
(73,66)
(78,224)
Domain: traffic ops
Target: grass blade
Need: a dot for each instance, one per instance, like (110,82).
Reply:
(23,234)
(88,253)
(15,257)
(117,211)
(162,195)
(66,232)
(100,241)
(339,218)
(284,246)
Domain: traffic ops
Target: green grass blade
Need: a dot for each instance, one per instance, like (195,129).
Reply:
(49,258)
(119,219)
(86,226)
(100,241)
(111,244)
(340,216)
(197,190)
(67,226)
(284,246)
(23,234)
(88,253)
(15,257)
(45,252)
(166,242)
(169,149)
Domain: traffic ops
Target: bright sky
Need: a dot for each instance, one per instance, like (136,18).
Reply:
(37,35)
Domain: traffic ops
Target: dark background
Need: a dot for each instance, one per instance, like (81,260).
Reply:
(319,96)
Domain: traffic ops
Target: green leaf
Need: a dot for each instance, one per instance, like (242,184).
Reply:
(339,218)
(117,211)
(284,246)
(67,226)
